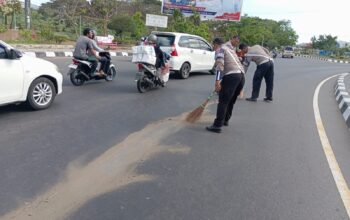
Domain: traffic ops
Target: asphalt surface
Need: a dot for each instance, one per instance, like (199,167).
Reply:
(268,164)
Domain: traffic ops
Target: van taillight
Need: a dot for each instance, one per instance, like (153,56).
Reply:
(173,51)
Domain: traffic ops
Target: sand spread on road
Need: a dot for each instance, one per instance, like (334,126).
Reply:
(113,169)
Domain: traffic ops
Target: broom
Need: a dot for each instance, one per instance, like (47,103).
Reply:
(195,115)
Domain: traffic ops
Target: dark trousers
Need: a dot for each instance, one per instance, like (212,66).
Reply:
(94,64)
(231,86)
(105,62)
(266,71)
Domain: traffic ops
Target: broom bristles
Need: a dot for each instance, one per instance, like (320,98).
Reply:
(196,114)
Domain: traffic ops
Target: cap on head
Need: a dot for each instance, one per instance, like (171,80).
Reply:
(218,41)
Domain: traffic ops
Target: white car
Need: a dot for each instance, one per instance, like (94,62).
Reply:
(27,79)
(189,53)
(288,52)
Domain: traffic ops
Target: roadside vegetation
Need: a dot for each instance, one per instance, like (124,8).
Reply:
(62,21)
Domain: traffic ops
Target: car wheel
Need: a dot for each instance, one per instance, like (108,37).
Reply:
(41,93)
(184,72)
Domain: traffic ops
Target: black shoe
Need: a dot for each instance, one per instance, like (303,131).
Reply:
(225,123)
(268,99)
(213,128)
(251,99)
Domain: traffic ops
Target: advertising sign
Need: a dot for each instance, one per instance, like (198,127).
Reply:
(156,21)
(208,9)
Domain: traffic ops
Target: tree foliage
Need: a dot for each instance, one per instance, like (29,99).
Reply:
(127,18)
(324,42)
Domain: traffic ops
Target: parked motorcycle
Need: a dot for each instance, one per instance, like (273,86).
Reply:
(79,71)
(149,77)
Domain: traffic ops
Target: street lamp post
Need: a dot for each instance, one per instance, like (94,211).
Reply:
(27,13)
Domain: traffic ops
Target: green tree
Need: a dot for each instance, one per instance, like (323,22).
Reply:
(103,11)
(122,24)
(140,28)
(324,42)
(11,8)
(65,15)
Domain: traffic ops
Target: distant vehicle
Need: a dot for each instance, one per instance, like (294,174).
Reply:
(288,52)
(189,53)
(27,79)
(274,54)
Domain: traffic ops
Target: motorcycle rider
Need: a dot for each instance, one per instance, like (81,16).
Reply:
(84,50)
(105,61)
(94,41)
(161,56)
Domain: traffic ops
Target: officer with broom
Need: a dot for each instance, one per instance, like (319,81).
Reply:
(228,83)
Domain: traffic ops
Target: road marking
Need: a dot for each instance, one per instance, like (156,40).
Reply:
(328,151)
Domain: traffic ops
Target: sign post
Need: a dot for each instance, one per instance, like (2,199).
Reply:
(156,21)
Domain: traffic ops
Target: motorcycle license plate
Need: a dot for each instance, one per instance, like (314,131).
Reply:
(73,66)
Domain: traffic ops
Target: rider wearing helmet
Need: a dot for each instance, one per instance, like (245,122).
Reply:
(160,61)
(84,49)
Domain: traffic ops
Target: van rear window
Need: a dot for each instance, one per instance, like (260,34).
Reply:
(165,40)
(288,48)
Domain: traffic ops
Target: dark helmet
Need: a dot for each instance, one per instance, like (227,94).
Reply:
(152,38)
(86,31)
(218,41)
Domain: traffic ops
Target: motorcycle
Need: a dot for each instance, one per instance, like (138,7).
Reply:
(79,71)
(149,77)
(274,54)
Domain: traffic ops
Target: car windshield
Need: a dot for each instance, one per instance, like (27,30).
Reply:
(165,40)
(288,48)
(6,45)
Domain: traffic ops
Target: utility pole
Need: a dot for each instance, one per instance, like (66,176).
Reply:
(27,13)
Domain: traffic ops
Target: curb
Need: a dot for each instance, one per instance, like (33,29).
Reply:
(69,54)
(342,97)
(324,59)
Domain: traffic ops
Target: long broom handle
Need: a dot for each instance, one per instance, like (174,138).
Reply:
(209,97)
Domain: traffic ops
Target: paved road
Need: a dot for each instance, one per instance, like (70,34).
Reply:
(104,151)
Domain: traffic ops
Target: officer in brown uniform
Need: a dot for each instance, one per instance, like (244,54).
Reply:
(229,82)
(264,69)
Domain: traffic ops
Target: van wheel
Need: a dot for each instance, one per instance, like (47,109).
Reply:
(41,93)
(184,72)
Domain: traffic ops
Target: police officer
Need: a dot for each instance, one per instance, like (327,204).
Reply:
(264,69)
(229,82)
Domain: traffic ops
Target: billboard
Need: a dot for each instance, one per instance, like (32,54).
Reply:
(208,9)
(156,20)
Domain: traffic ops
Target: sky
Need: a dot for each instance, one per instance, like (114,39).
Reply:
(308,17)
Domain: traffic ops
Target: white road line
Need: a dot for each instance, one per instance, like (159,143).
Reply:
(328,151)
